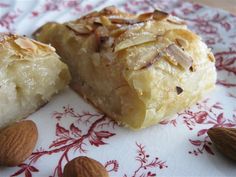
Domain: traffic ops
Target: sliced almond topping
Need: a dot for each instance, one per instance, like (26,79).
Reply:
(117,32)
(176,53)
(45,46)
(160,15)
(110,10)
(176,20)
(26,44)
(152,61)
(211,57)
(136,40)
(145,16)
(97,21)
(121,29)
(127,21)
(171,60)
(90,28)
(181,42)
(80,28)
(105,21)
(156,15)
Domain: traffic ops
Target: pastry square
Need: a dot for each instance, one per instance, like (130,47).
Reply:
(30,74)
(137,69)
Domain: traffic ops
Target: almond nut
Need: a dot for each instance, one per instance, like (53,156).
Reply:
(17,142)
(225,140)
(177,54)
(84,167)
(26,44)
(160,15)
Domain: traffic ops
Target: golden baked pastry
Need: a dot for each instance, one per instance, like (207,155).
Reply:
(138,69)
(30,73)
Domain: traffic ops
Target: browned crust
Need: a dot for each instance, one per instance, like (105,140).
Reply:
(98,109)
(77,90)
(41,28)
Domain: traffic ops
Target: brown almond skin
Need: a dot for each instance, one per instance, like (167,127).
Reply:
(225,140)
(84,167)
(17,142)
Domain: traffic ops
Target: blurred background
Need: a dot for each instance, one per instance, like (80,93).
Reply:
(229,5)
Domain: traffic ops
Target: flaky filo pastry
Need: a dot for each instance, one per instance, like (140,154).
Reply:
(138,69)
(30,74)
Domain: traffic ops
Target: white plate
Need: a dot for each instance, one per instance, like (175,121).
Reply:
(69,127)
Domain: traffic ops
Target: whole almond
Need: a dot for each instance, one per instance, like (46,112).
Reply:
(84,167)
(17,142)
(225,140)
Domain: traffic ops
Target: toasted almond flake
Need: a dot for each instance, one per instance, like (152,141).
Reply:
(119,30)
(176,20)
(105,21)
(90,28)
(145,16)
(26,44)
(152,61)
(136,40)
(171,60)
(97,21)
(176,53)
(181,42)
(110,10)
(211,57)
(44,45)
(160,15)
(127,21)
(80,28)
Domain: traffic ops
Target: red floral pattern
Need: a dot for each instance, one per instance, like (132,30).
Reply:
(73,138)
(145,164)
(27,169)
(226,62)
(203,114)
(7,19)
(3,5)
(82,132)
(80,7)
